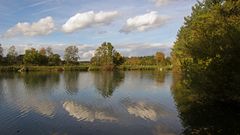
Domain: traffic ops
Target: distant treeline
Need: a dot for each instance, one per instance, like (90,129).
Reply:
(106,57)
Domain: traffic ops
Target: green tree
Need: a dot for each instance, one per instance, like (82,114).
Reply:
(71,55)
(31,57)
(133,61)
(207,49)
(43,59)
(118,59)
(54,60)
(106,55)
(11,55)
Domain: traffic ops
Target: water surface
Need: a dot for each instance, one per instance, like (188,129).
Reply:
(72,103)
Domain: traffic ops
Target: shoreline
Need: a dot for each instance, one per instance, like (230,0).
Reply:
(22,68)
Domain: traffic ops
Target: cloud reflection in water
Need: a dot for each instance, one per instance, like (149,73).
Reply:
(87,113)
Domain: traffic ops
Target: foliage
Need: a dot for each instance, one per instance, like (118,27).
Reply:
(49,51)
(133,61)
(159,57)
(31,57)
(35,57)
(71,55)
(207,49)
(54,60)
(107,56)
(11,55)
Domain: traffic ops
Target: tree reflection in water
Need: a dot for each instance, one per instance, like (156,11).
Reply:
(71,82)
(201,115)
(40,81)
(106,82)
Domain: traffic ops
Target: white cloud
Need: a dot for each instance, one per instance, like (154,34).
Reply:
(143,49)
(88,19)
(44,26)
(144,22)
(160,2)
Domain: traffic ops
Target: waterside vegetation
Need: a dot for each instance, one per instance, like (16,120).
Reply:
(105,58)
(206,52)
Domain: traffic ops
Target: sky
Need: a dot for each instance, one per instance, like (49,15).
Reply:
(134,27)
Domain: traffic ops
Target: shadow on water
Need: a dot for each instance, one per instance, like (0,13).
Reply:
(106,82)
(201,115)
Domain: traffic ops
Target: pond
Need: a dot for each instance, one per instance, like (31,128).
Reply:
(88,103)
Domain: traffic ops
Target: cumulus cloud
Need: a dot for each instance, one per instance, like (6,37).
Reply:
(88,19)
(144,22)
(161,2)
(44,26)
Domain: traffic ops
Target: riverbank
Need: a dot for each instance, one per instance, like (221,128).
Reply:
(79,68)
(42,68)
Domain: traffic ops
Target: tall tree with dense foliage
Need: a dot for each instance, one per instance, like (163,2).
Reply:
(106,55)
(54,60)
(12,55)
(31,57)
(71,55)
(43,59)
(207,49)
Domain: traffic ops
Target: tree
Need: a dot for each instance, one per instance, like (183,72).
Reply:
(31,57)
(42,51)
(11,55)
(54,60)
(133,61)
(1,53)
(71,55)
(159,57)
(118,59)
(49,51)
(43,59)
(106,55)
(207,49)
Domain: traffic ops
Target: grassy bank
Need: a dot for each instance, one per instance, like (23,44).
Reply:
(145,67)
(42,68)
(77,68)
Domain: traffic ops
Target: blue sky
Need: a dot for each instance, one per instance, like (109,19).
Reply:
(135,27)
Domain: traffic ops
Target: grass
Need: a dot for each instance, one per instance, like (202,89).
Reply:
(42,68)
(79,68)
(144,67)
